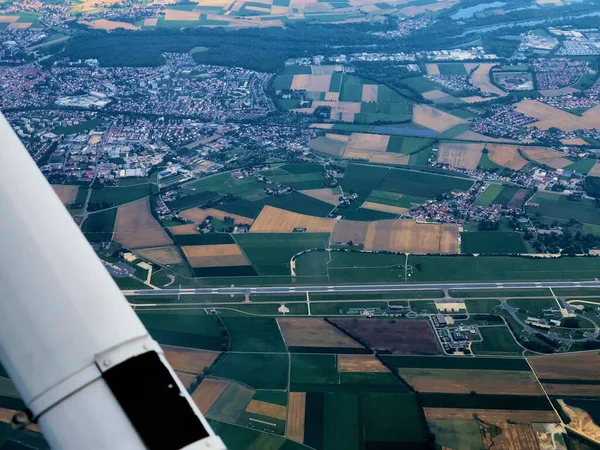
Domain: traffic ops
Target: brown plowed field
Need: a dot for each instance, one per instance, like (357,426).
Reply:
(295,417)
(360,363)
(186,378)
(572,390)
(135,226)
(547,156)
(67,194)
(583,366)
(506,156)
(519,199)
(161,255)
(189,360)
(595,172)
(198,215)
(308,332)
(190,228)
(275,220)
(267,409)
(401,337)
(350,230)
(463,156)
(456,381)
(412,237)
(208,392)
(521,416)
(220,255)
(434,119)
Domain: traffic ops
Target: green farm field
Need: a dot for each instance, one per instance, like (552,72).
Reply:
(560,207)
(503,242)
(98,227)
(270,253)
(259,371)
(185,328)
(119,195)
(256,334)
(496,340)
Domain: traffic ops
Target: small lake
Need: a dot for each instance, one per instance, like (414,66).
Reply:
(467,13)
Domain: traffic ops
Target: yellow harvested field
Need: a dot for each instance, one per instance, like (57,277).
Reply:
(267,409)
(19,25)
(325,195)
(546,156)
(258,9)
(161,255)
(476,99)
(208,392)
(332,97)
(66,194)
(506,156)
(481,79)
(432,69)
(311,83)
(595,172)
(370,92)
(458,381)
(190,228)
(94,5)
(439,6)
(574,141)
(549,116)
(275,220)
(103,24)
(412,237)
(150,22)
(439,96)
(350,230)
(583,366)
(135,227)
(550,2)
(360,363)
(384,208)
(198,215)
(175,14)
(8,19)
(6,416)
(188,359)
(364,141)
(343,111)
(295,417)
(307,332)
(220,255)
(458,155)
(186,378)
(434,119)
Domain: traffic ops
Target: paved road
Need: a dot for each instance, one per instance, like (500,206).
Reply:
(365,288)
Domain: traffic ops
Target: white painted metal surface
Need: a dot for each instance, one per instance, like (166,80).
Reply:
(59,308)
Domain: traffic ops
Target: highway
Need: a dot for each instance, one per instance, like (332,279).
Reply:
(364,288)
